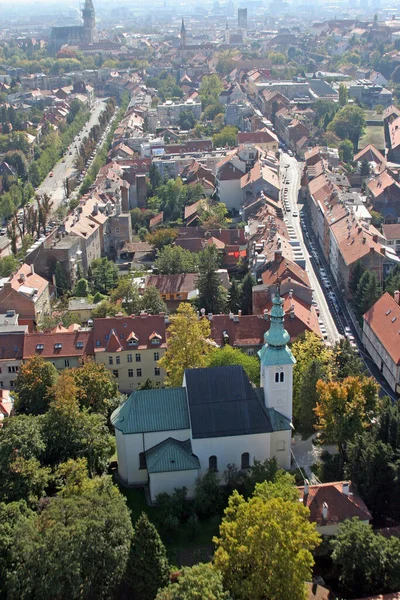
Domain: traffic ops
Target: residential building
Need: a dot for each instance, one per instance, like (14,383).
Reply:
(6,405)
(261,178)
(65,348)
(167,438)
(391,231)
(263,138)
(383,192)
(381,337)
(174,288)
(330,504)
(169,112)
(130,348)
(28,294)
(11,355)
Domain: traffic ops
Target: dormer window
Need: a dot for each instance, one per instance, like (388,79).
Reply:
(57,346)
(155,341)
(40,347)
(79,345)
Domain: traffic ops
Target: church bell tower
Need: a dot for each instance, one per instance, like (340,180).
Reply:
(276,362)
(89,21)
(183,34)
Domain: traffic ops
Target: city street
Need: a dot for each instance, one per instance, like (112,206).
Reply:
(54,186)
(292,174)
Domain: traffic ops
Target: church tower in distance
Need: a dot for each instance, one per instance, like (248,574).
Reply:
(183,34)
(277,362)
(89,21)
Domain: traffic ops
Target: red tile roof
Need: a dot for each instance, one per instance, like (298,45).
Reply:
(116,334)
(11,346)
(384,320)
(75,343)
(340,505)
(173,284)
(371,154)
(25,278)
(284,268)
(262,136)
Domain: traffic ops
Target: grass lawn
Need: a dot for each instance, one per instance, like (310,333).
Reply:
(373,135)
(185,548)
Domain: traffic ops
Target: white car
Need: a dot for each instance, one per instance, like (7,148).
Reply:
(295,214)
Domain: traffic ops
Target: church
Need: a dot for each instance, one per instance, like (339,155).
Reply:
(75,35)
(167,437)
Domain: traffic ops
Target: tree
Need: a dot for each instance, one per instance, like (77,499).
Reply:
(96,387)
(106,309)
(188,345)
(368,292)
(152,302)
(186,120)
(233,356)
(345,408)
(348,123)
(104,275)
(343,94)
(148,569)
(62,552)
(313,372)
(34,386)
(226,137)
(210,89)
(264,546)
(191,583)
(212,296)
(308,349)
(61,279)
(247,294)
(128,294)
(175,259)
(365,168)
(355,276)
(359,554)
(377,219)
(81,289)
(234,297)
(35,176)
(214,216)
(8,265)
(162,237)
(346,361)
(154,177)
(346,151)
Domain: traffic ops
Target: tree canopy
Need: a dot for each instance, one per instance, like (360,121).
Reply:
(192,583)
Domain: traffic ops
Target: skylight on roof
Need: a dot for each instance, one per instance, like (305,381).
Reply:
(388,312)
(394,319)
(39,346)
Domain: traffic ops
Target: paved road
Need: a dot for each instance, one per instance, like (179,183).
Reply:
(54,186)
(293,174)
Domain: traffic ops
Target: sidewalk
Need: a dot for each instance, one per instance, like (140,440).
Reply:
(305,454)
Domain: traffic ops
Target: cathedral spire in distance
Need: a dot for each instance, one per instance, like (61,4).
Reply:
(183,33)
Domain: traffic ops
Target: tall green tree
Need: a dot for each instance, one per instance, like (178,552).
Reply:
(96,387)
(152,302)
(128,294)
(228,355)
(188,346)
(175,259)
(346,151)
(76,547)
(212,296)
(247,295)
(234,296)
(34,386)
(343,94)
(192,583)
(355,276)
(264,546)
(148,569)
(61,279)
(346,361)
(104,275)
(368,292)
(348,123)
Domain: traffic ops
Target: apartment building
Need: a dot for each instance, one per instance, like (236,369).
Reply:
(28,294)
(130,347)
(65,349)
(11,354)
(169,112)
(381,337)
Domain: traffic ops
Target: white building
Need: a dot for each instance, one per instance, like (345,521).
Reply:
(166,438)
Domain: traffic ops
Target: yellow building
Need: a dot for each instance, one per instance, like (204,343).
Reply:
(130,347)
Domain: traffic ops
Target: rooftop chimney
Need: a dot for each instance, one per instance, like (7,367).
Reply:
(278,255)
(239,313)
(32,269)
(266,314)
(397,296)
(324,511)
(345,488)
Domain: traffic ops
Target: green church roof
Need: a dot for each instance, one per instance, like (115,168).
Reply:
(171,455)
(153,410)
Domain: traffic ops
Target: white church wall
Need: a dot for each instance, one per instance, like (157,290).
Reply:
(229,450)
(281,442)
(167,482)
(278,395)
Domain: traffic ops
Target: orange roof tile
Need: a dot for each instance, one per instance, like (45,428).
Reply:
(384,320)
(341,506)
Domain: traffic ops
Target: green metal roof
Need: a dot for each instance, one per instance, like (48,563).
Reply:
(153,410)
(270,356)
(278,421)
(171,455)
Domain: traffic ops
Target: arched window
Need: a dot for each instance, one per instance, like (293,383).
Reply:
(245,460)
(282,377)
(142,460)
(212,463)
(276,377)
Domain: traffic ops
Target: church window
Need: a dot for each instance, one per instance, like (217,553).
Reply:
(142,460)
(245,460)
(276,377)
(282,377)
(212,463)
